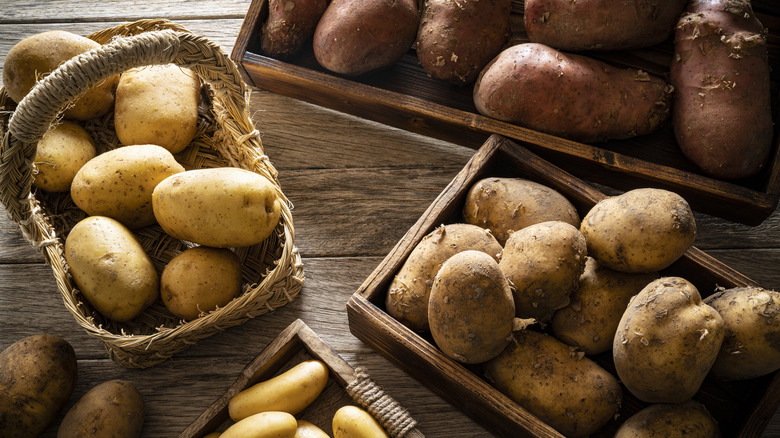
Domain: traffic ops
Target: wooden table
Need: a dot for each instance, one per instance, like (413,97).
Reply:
(357,186)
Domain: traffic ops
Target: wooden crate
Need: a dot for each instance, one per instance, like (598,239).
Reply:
(293,345)
(743,409)
(404,96)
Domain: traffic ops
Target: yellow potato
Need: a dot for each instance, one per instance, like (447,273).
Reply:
(680,420)
(114,408)
(219,207)
(353,422)
(269,424)
(157,104)
(291,391)
(60,154)
(110,268)
(309,430)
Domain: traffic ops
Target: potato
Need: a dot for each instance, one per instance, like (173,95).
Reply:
(355,37)
(219,207)
(681,420)
(566,390)
(598,25)
(289,25)
(722,112)
(291,391)
(110,268)
(457,39)
(569,95)
(505,205)
(37,376)
(642,230)
(112,409)
(119,183)
(60,154)
(543,262)
(354,422)
(157,104)
(409,292)
(666,341)
(751,345)
(309,430)
(36,56)
(470,310)
(270,424)
(199,280)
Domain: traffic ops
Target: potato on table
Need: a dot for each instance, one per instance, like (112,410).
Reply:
(271,424)
(354,422)
(112,409)
(60,154)
(289,26)
(681,420)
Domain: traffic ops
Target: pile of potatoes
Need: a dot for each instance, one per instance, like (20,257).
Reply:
(527,293)
(139,183)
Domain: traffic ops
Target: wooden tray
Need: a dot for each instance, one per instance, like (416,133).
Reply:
(294,344)
(405,97)
(742,409)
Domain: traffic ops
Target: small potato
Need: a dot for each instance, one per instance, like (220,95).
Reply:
(505,205)
(666,341)
(60,154)
(157,104)
(642,230)
(680,420)
(592,316)
(470,310)
(111,268)
(37,376)
(543,262)
(569,392)
(289,25)
(353,422)
(291,391)
(410,290)
(112,409)
(751,346)
(119,183)
(200,279)
(269,424)
(219,207)
(309,430)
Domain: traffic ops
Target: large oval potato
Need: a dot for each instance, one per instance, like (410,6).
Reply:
(271,424)
(571,393)
(569,95)
(289,26)
(60,154)
(219,207)
(111,268)
(408,294)
(119,183)
(353,422)
(751,346)
(37,376)
(543,262)
(666,341)
(505,205)
(642,230)
(679,420)
(471,309)
(111,409)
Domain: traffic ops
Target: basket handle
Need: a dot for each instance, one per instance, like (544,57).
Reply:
(38,110)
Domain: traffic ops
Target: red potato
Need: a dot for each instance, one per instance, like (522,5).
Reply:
(599,24)
(571,96)
(722,110)
(289,25)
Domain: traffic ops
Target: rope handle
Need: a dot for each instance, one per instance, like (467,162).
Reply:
(393,417)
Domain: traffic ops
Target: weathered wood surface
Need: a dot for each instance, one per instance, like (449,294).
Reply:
(357,186)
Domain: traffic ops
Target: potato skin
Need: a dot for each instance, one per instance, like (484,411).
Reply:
(355,37)
(354,422)
(307,429)
(571,393)
(60,154)
(471,310)
(666,341)
(601,25)
(456,39)
(543,262)
(289,25)
(680,420)
(271,424)
(722,114)
(569,95)
(37,376)
(112,409)
(408,294)
(505,205)
(751,346)
(642,230)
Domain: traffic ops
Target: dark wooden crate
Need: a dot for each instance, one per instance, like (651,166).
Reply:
(404,96)
(742,408)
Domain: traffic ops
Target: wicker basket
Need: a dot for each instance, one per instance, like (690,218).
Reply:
(272,270)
